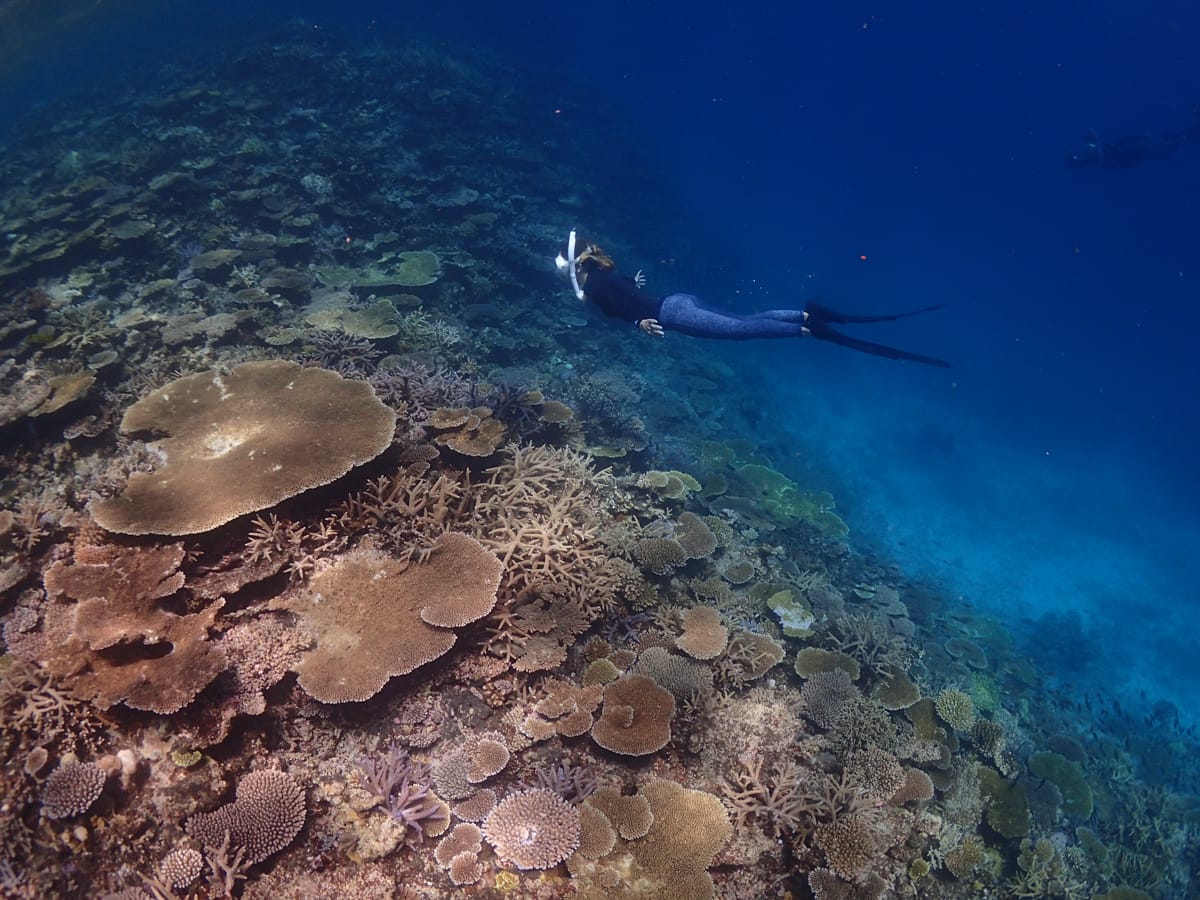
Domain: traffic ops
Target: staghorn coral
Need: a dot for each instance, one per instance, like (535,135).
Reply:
(573,783)
(242,441)
(636,716)
(397,785)
(790,800)
(71,789)
(749,655)
(870,640)
(533,829)
(537,628)
(35,703)
(265,816)
(539,512)
(374,617)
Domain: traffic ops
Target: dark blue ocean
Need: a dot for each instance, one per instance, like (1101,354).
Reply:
(875,159)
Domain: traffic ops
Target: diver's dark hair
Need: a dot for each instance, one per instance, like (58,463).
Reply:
(587,250)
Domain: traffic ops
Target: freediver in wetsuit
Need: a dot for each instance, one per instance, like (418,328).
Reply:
(1126,152)
(594,278)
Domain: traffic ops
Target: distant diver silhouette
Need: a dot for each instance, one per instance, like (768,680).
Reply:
(1133,149)
(593,276)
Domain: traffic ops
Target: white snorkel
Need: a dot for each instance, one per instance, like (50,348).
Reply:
(571,266)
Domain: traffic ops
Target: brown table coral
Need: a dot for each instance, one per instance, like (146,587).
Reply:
(374,616)
(243,441)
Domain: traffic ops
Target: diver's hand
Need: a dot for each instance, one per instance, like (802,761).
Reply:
(639,279)
(651,327)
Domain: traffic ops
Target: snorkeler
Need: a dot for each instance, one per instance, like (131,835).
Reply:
(1125,152)
(594,278)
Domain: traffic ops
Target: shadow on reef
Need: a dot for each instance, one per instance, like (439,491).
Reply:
(328,538)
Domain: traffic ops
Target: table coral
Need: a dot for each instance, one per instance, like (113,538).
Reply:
(118,592)
(704,636)
(533,829)
(242,441)
(373,617)
(636,716)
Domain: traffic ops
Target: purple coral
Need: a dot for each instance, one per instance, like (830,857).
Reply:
(626,629)
(399,786)
(573,783)
(349,356)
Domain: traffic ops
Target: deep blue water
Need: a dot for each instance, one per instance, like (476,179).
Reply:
(880,159)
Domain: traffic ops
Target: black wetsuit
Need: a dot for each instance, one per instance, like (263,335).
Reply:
(619,297)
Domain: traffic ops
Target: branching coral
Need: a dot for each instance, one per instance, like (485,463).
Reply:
(870,641)
(399,786)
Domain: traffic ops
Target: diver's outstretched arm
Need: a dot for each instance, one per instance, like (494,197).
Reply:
(821,331)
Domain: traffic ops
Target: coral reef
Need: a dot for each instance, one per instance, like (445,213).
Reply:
(334,562)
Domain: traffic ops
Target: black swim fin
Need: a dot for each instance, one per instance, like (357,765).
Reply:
(822,332)
(825,314)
